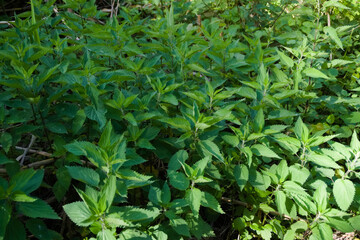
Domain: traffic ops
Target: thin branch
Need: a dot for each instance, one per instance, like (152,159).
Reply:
(278,16)
(45,154)
(329,25)
(9,23)
(33,165)
(16,9)
(112,9)
(12,126)
(21,158)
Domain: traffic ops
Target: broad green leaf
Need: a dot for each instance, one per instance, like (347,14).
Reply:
(178,224)
(101,49)
(5,215)
(259,121)
(105,234)
(208,200)
(314,73)
(193,197)
(62,184)
(131,119)
(179,123)
(4,160)
(134,214)
(264,151)
(133,234)
(37,209)
(323,160)
(282,170)
(299,226)
(340,62)
(6,141)
(27,180)
(334,3)
(318,140)
(189,171)
(320,197)
(97,115)
(21,197)
(177,159)
(344,192)
(90,198)
(38,228)
(281,114)
(108,191)
(291,187)
(280,200)
(231,139)
(178,180)
(155,195)
(170,98)
(289,235)
(305,203)
(79,148)
(301,130)
(133,179)
(241,174)
(321,231)
(79,213)
(105,138)
(258,180)
(47,75)
(144,143)
(165,194)
(239,224)
(170,18)
(198,227)
(15,230)
(85,175)
(355,222)
(115,220)
(352,118)
(285,59)
(210,148)
(200,166)
(355,144)
(56,127)
(333,35)
(197,67)
(340,224)
(289,143)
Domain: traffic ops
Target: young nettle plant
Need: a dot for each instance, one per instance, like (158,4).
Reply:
(110,180)
(189,182)
(16,201)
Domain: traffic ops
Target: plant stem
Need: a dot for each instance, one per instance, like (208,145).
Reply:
(34,114)
(45,129)
(33,21)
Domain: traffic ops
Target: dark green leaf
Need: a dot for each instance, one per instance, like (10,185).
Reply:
(193,197)
(38,228)
(86,175)
(79,213)
(37,209)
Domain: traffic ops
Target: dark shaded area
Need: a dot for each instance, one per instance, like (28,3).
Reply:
(9,8)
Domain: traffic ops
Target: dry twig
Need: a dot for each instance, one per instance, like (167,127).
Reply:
(33,165)
(21,158)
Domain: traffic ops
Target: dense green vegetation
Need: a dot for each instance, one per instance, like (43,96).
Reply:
(158,119)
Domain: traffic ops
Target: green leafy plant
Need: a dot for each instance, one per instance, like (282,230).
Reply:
(180,120)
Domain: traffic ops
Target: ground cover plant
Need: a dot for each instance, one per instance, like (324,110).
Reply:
(180,120)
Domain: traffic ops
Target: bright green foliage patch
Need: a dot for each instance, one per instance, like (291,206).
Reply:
(180,120)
